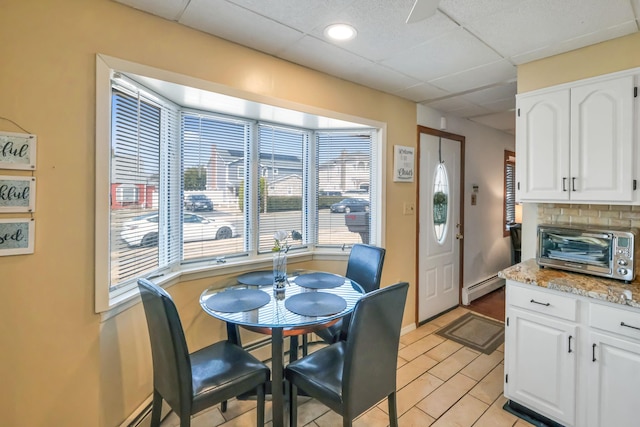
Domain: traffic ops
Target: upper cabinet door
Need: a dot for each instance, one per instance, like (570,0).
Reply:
(602,141)
(542,147)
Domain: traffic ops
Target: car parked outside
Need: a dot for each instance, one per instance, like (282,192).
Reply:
(143,230)
(198,202)
(351,205)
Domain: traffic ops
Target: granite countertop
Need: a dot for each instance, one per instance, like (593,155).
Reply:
(585,285)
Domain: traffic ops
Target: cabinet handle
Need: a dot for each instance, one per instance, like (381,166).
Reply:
(546,304)
(593,353)
(629,326)
(573,184)
(570,351)
(564,184)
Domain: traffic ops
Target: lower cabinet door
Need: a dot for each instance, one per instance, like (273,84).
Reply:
(540,363)
(614,382)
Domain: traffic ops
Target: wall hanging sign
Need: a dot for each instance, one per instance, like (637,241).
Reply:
(403,163)
(17,151)
(16,236)
(17,194)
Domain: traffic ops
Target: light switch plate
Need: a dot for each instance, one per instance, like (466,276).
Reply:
(408,209)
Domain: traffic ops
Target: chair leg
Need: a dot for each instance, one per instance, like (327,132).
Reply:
(293,348)
(305,344)
(185,421)
(223,406)
(293,405)
(260,407)
(156,409)
(346,422)
(393,410)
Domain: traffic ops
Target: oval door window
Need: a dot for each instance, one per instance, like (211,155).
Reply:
(440,202)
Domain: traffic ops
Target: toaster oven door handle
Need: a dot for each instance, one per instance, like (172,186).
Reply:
(597,236)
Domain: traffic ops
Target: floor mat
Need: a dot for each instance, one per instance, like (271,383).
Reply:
(476,332)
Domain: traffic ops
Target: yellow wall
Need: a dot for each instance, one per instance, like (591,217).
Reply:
(60,365)
(602,58)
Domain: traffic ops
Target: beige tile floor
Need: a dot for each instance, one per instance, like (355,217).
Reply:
(440,383)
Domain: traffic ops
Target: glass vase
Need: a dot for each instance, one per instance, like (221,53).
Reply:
(279,270)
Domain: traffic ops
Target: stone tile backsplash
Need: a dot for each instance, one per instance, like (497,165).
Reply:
(613,215)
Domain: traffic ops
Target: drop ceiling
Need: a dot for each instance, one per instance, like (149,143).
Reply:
(461,61)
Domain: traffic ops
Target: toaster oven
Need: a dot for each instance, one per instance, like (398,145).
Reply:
(608,252)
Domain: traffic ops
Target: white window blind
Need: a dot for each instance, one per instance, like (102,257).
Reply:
(213,161)
(282,182)
(344,197)
(141,187)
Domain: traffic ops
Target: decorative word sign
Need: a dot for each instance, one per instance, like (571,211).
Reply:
(17,193)
(403,163)
(16,236)
(17,151)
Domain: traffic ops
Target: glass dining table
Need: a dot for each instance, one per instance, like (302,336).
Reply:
(309,302)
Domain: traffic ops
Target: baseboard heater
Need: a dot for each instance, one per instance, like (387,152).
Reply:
(473,292)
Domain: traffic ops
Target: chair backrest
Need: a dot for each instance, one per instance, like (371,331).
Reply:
(372,348)
(365,266)
(171,362)
(515,230)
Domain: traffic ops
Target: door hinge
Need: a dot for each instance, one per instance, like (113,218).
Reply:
(506,378)
(635,184)
(519,110)
(518,185)
(507,321)
(635,93)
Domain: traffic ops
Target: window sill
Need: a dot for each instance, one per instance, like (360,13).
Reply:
(130,298)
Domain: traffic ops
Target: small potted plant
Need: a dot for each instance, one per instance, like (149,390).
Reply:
(439,207)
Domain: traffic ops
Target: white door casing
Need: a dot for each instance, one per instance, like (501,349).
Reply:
(439,254)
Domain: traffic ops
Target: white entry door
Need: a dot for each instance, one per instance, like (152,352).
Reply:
(440,225)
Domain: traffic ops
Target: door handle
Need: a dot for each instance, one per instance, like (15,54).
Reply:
(564,184)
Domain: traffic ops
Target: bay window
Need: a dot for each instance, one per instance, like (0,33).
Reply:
(187,187)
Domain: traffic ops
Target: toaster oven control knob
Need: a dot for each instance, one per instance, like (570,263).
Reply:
(622,271)
(622,262)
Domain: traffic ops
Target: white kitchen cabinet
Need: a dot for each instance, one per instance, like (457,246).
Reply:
(575,144)
(572,359)
(613,367)
(542,147)
(540,354)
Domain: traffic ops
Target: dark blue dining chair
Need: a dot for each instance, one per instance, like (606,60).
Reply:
(352,376)
(190,383)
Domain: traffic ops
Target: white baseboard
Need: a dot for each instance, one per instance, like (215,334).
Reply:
(474,292)
(407,329)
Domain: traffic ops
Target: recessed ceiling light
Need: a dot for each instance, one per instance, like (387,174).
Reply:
(340,32)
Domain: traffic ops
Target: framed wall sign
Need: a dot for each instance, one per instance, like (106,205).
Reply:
(17,194)
(403,163)
(17,151)
(17,236)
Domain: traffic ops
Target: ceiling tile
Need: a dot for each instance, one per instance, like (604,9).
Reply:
(505,121)
(470,111)
(539,23)
(429,60)
(384,78)
(224,19)
(577,43)
(498,92)
(422,92)
(451,104)
(321,56)
(484,75)
(465,11)
(382,31)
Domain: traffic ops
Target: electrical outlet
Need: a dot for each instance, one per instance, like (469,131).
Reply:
(409,209)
